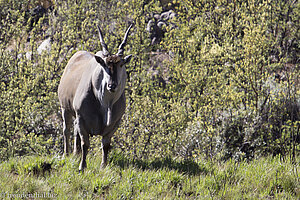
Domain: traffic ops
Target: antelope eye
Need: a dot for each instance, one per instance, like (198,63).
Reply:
(117,59)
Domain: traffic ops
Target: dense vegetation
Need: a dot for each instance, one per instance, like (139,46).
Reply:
(220,83)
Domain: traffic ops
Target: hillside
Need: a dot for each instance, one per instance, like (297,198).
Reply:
(213,82)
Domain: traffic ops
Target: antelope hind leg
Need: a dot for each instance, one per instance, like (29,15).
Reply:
(77,140)
(85,143)
(67,119)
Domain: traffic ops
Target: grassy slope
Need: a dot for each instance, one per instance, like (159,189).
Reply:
(266,178)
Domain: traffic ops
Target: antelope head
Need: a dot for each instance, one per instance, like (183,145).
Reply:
(113,64)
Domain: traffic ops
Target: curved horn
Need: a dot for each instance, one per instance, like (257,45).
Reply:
(105,49)
(122,45)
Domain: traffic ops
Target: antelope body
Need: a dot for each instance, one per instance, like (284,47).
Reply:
(91,90)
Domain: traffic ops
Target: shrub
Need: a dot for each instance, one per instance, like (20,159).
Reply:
(223,81)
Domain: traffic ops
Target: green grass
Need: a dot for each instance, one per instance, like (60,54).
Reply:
(165,178)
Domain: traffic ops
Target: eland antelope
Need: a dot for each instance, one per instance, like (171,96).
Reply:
(91,91)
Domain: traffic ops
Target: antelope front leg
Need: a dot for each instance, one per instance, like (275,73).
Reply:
(105,148)
(85,144)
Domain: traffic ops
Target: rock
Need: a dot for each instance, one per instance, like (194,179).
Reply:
(150,24)
(156,26)
(45,46)
(156,33)
(28,55)
(161,24)
(165,16)
(157,16)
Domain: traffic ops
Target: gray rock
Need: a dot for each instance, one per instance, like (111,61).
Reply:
(161,24)
(156,27)
(28,55)
(150,24)
(165,16)
(45,46)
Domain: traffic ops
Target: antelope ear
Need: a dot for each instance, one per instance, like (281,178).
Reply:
(127,59)
(100,60)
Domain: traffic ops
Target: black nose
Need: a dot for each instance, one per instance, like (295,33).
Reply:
(112,86)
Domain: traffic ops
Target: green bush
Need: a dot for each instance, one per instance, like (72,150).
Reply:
(224,82)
